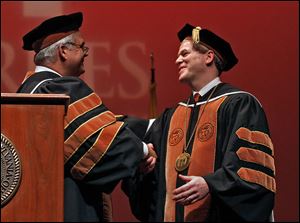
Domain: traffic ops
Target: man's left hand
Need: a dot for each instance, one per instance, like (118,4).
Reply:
(193,190)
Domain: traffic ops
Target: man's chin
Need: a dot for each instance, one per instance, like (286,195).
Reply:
(182,79)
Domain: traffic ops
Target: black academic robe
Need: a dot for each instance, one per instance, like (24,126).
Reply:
(99,150)
(231,149)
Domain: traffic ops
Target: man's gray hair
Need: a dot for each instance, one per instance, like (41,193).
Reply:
(48,54)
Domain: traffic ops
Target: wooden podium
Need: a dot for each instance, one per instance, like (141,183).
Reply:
(33,125)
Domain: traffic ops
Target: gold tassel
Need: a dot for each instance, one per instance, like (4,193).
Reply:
(196,34)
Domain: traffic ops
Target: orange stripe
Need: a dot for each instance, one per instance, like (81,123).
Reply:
(255,137)
(81,107)
(258,177)
(84,131)
(176,139)
(256,156)
(203,158)
(96,152)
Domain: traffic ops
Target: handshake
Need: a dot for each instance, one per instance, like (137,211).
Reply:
(148,163)
(151,151)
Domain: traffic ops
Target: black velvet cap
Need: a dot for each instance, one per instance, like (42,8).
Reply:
(52,30)
(209,39)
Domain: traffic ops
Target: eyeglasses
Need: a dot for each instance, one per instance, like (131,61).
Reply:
(84,48)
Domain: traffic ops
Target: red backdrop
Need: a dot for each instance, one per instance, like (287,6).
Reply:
(121,36)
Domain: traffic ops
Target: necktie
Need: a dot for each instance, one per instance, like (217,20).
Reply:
(197,97)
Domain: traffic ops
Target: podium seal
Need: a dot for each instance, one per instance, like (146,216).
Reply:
(10,170)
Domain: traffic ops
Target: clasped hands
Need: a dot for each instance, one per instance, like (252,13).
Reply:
(148,163)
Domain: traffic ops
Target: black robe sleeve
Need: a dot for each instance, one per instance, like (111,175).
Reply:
(236,196)
(138,125)
(99,150)
(121,155)
(242,185)
(141,189)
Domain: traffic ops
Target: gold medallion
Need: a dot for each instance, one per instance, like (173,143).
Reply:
(182,161)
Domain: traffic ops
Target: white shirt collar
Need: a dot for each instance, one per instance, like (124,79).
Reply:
(42,68)
(209,86)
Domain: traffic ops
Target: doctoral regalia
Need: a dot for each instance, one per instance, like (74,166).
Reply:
(99,150)
(230,148)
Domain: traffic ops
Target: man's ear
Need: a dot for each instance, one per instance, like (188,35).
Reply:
(210,55)
(62,52)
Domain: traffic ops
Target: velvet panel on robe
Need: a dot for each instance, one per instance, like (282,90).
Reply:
(242,185)
(99,150)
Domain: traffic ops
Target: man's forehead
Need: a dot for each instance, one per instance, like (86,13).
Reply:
(78,35)
(186,43)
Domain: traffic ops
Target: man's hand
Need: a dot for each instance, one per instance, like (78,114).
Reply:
(151,151)
(193,190)
(148,164)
